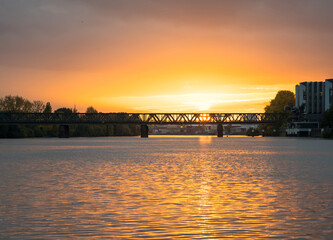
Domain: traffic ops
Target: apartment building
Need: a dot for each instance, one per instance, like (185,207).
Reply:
(314,98)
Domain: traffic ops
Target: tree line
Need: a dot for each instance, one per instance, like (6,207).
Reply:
(19,104)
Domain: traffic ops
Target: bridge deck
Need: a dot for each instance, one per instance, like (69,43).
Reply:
(139,118)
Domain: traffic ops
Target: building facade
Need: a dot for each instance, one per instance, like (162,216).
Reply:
(328,93)
(314,98)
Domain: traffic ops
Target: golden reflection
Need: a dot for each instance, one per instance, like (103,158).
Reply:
(218,192)
(201,197)
(205,207)
(204,140)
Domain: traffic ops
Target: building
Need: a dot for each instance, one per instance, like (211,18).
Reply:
(314,98)
(328,93)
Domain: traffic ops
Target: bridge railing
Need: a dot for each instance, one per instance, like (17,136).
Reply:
(139,118)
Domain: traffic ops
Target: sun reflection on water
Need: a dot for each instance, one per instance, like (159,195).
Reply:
(231,188)
(205,140)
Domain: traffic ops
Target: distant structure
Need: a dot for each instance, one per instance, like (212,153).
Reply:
(314,98)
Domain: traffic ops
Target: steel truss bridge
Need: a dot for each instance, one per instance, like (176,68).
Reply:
(139,118)
(143,119)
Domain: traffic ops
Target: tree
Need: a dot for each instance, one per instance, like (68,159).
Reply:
(64,110)
(283,98)
(91,109)
(15,104)
(277,105)
(48,108)
(37,107)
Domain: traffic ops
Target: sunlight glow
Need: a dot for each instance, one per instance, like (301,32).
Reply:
(195,102)
(204,117)
(203,106)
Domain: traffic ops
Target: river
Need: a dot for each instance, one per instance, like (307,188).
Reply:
(166,188)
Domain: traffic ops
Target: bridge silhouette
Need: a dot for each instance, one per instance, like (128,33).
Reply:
(143,119)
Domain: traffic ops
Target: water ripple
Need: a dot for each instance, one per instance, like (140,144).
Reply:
(166,188)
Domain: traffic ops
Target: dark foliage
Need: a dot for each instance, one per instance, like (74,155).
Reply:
(277,105)
(20,104)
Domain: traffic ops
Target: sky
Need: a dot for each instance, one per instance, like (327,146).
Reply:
(162,55)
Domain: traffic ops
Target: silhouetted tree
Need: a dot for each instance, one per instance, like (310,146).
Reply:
(64,110)
(48,108)
(91,109)
(37,106)
(277,105)
(15,104)
(74,110)
(283,98)
(20,104)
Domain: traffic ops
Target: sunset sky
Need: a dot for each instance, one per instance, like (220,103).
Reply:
(163,56)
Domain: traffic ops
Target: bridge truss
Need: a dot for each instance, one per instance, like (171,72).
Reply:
(140,118)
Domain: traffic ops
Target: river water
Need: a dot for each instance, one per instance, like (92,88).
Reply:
(166,188)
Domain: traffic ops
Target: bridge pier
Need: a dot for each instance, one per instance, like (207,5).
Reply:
(220,130)
(63,131)
(144,131)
